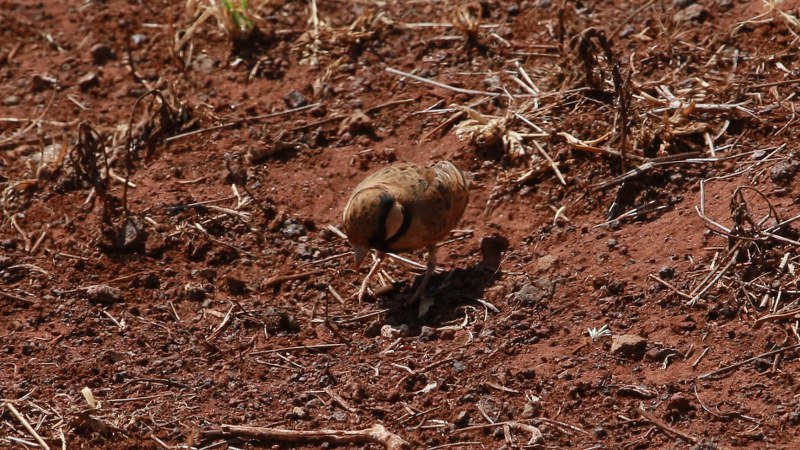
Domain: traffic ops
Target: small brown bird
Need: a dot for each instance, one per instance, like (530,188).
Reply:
(405,207)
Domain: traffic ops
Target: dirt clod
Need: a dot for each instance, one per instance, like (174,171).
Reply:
(103,293)
(102,53)
(628,345)
(532,294)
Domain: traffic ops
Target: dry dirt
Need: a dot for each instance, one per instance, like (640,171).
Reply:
(166,301)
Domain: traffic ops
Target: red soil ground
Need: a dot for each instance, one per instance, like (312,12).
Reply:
(186,331)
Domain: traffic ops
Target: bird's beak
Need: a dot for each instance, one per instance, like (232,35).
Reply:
(361,252)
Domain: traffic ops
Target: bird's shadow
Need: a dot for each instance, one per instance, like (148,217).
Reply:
(449,291)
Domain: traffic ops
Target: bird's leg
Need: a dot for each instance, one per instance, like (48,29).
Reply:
(428,273)
(372,271)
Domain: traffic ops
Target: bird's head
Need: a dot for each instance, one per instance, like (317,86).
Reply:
(372,217)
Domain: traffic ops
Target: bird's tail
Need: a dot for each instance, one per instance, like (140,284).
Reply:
(450,174)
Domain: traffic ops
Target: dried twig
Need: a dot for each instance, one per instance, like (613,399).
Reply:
(297,348)
(280,279)
(748,360)
(377,434)
(240,121)
(27,425)
(666,427)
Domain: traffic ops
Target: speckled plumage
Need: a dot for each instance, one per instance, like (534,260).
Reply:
(405,207)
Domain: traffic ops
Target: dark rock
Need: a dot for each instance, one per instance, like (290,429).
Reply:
(534,293)
(462,419)
(492,248)
(680,4)
(40,82)
(88,81)
(782,173)
(657,354)
(194,292)
(295,99)
(292,229)
(666,272)
(679,405)
(692,13)
(235,285)
(427,333)
(131,236)
(102,53)
(373,329)
(5,262)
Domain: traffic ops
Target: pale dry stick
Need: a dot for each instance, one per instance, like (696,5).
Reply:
(116,322)
(160,442)
(722,415)
(665,426)
(363,316)
(627,20)
(162,381)
(376,434)
(541,151)
(339,400)
(22,441)
(483,413)
(221,326)
(442,25)
(456,444)
(774,83)
(644,209)
(27,425)
(696,296)
(279,279)
(524,85)
(550,161)
(710,144)
(336,295)
(330,258)
(187,36)
(137,399)
(38,242)
(748,360)
(438,84)
(17,298)
(536,435)
(671,287)
(22,233)
(289,361)
(790,314)
(458,113)
(562,425)
(426,369)
(297,348)
(700,358)
(466,235)
(113,280)
(195,204)
(35,122)
(411,263)
(240,121)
